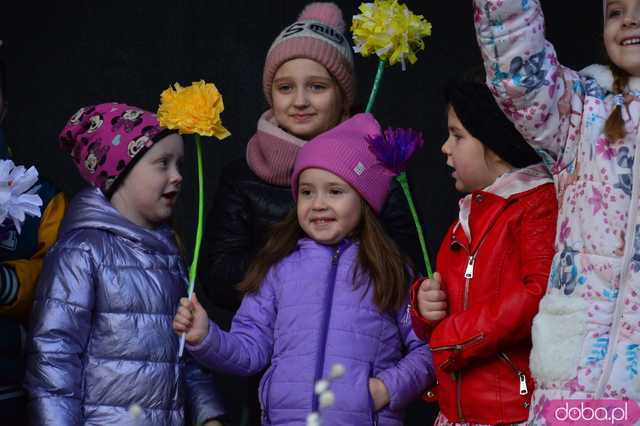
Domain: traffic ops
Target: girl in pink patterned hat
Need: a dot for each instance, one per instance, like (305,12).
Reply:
(101,347)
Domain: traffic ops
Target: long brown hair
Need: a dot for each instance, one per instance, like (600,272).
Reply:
(378,257)
(614,126)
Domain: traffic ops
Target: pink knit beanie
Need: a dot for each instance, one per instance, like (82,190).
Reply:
(345,151)
(105,140)
(318,34)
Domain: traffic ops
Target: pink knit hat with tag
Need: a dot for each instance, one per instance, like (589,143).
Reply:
(105,141)
(345,151)
(318,34)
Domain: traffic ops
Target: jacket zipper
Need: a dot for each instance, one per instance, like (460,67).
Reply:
(459,346)
(457,377)
(327,317)
(607,363)
(263,399)
(372,405)
(468,275)
(521,376)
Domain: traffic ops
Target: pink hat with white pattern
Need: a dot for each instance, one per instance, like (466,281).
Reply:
(106,140)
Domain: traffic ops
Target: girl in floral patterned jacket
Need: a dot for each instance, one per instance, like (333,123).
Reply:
(585,126)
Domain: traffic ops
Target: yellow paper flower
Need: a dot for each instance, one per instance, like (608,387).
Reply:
(390,30)
(193,109)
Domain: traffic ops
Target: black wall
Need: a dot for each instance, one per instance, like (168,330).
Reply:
(64,55)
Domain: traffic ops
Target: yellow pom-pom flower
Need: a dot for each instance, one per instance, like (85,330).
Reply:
(390,30)
(193,109)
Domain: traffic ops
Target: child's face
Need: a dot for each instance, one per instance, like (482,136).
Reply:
(474,166)
(329,209)
(150,190)
(622,34)
(306,99)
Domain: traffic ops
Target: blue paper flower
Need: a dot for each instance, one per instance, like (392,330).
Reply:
(395,147)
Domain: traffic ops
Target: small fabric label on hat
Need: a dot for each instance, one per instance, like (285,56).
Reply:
(359,169)
(316,30)
(317,27)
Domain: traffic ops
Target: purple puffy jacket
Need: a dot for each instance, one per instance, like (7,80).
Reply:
(307,317)
(101,337)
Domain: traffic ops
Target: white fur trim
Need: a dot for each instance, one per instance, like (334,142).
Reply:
(558,334)
(603,75)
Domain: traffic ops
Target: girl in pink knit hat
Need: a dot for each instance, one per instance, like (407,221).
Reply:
(327,290)
(309,84)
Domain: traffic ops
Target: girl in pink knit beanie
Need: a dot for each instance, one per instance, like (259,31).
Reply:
(308,82)
(327,289)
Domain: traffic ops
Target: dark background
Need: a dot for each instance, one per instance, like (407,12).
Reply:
(64,55)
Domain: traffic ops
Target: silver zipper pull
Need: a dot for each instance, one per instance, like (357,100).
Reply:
(523,384)
(407,316)
(468,273)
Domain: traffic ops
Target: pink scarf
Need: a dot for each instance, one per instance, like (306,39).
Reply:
(271,152)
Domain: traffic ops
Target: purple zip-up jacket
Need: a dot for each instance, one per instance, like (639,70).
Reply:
(308,316)
(101,337)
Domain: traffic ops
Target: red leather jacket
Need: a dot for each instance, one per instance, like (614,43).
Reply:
(493,286)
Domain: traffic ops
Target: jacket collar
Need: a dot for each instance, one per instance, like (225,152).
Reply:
(604,77)
(490,202)
(91,210)
(346,246)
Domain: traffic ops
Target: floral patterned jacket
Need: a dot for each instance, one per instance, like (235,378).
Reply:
(586,336)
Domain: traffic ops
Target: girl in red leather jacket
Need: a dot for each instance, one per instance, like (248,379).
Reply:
(492,266)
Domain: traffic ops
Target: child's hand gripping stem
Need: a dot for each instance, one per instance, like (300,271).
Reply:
(432,301)
(191,320)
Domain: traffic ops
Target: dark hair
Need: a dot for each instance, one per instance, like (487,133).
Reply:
(479,113)
(378,257)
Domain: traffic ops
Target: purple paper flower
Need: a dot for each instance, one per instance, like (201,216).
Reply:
(395,147)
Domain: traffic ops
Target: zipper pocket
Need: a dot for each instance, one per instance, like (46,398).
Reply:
(372,408)
(264,394)
(521,376)
(372,405)
(457,377)
(459,346)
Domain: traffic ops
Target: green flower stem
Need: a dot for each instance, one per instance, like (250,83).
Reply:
(376,86)
(196,251)
(404,183)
